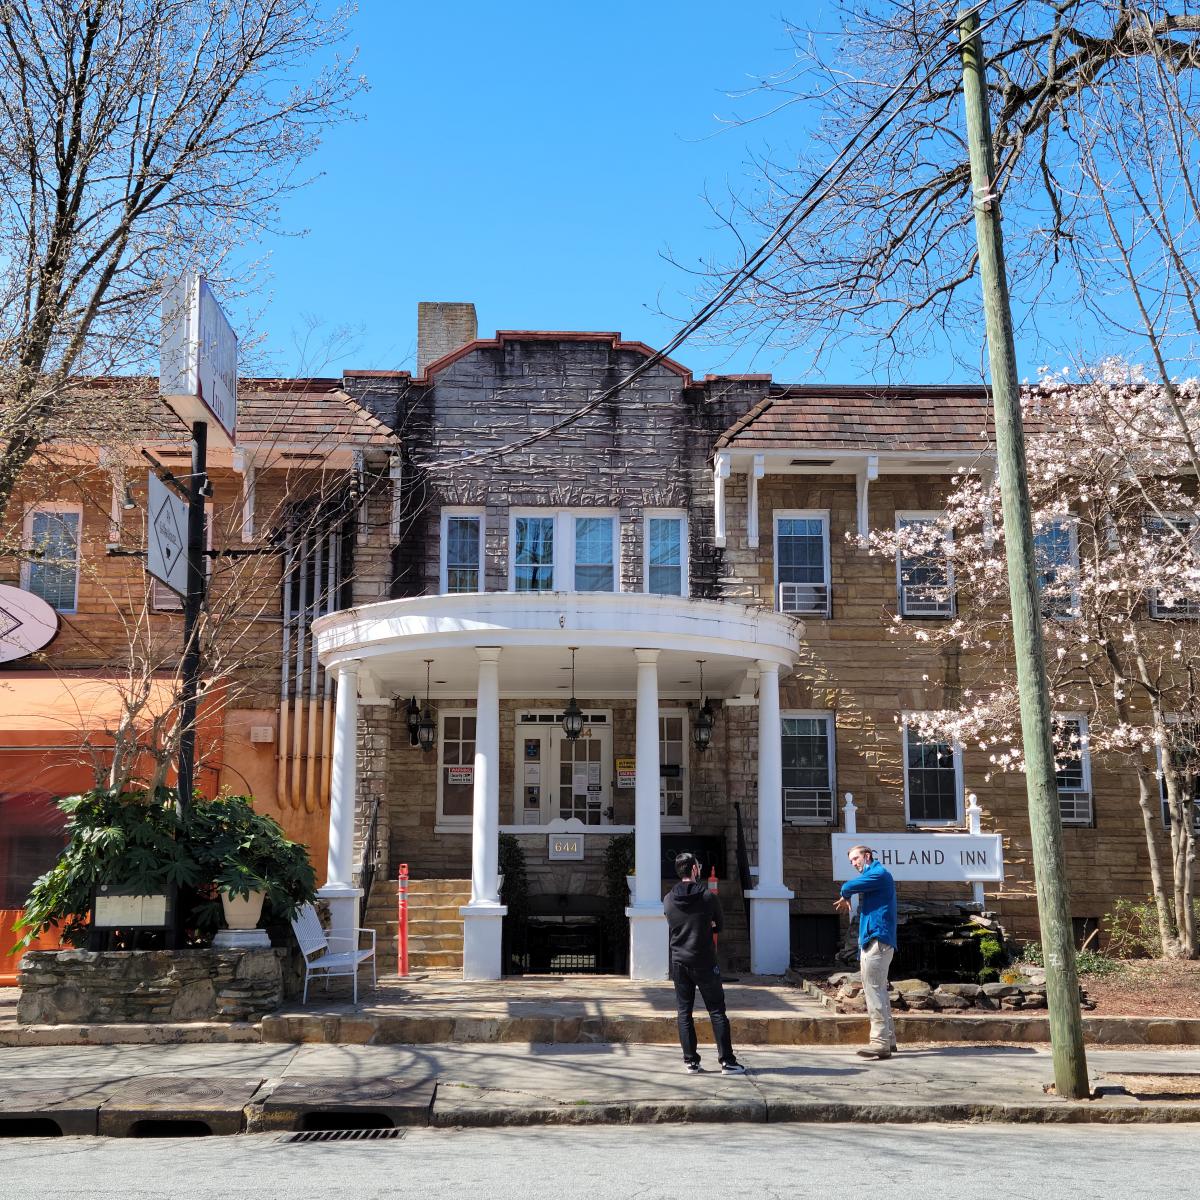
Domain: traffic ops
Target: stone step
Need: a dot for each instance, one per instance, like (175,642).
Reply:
(432,959)
(426,887)
(437,942)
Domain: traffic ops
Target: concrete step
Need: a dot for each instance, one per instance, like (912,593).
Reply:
(427,887)
(432,959)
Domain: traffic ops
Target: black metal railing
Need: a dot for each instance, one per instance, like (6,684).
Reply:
(365,875)
(743,860)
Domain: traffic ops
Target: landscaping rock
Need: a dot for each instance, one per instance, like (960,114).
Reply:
(967,990)
(911,985)
(945,1000)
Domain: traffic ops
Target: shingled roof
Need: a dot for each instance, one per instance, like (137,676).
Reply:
(863,419)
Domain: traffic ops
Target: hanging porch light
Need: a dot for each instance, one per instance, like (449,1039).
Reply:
(412,719)
(572,718)
(705,719)
(427,725)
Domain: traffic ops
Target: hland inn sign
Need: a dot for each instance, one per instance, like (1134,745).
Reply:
(926,857)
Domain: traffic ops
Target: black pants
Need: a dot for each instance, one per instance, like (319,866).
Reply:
(708,980)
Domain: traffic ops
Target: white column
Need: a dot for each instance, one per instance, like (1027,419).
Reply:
(483,916)
(339,890)
(721,466)
(647,924)
(770,931)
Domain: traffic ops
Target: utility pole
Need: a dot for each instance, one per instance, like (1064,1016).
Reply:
(1054,909)
(198,491)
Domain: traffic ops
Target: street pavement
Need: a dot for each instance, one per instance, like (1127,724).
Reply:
(480,1084)
(899,1162)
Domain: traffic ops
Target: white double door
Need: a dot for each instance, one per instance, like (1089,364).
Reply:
(559,778)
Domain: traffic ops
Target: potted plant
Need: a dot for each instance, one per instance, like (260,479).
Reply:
(250,862)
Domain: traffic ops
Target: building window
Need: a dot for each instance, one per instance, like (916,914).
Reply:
(672,770)
(665,565)
(462,552)
(808,777)
(1181,530)
(802,562)
(51,570)
(456,766)
(594,554)
(924,577)
(1056,554)
(561,550)
(932,780)
(533,554)
(1073,770)
(1186,761)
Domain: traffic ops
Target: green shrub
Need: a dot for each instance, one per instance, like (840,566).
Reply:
(1087,962)
(514,891)
(135,840)
(619,862)
(128,839)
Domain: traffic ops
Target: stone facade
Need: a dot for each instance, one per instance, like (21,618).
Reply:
(76,987)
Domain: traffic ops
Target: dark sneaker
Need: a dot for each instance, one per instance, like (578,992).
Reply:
(873,1052)
(693,1068)
(732,1068)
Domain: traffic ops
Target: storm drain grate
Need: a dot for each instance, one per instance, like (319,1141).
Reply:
(346,1135)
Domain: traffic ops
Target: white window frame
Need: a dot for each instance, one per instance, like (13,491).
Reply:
(52,506)
(162,598)
(1189,610)
(1080,810)
(908,515)
(1171,719)
(666,514)
(1071,521)
(924,822)
(676,824)
(442,820)
(802,514)
(563,573)
(461,511)
(814,818)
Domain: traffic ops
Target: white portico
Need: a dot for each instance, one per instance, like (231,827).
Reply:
(514,646)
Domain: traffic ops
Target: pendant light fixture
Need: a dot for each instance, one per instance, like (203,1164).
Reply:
(572,718)
(702,725)
(412,719)
(427,725)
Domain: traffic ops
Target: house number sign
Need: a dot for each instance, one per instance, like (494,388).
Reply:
(566,846)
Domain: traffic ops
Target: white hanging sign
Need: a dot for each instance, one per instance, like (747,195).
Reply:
(166,539)
(27,623)
(926,857)
(197,372)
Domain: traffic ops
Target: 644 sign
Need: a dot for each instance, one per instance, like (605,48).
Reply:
(166,543)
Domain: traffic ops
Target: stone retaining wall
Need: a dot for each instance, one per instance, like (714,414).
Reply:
(915,995)
(63,987)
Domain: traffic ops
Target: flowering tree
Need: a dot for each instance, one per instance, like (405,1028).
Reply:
(1112,475)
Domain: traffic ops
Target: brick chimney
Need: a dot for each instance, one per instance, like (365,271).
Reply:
(441,328)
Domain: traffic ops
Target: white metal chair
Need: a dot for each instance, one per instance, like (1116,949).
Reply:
(321,959)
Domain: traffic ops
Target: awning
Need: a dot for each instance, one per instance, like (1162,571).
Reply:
(61,709)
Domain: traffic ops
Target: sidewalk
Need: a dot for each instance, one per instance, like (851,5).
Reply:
(472,1084)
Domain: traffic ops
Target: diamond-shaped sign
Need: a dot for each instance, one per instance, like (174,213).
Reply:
(166,549)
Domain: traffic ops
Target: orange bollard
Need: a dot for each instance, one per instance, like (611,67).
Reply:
(402,924)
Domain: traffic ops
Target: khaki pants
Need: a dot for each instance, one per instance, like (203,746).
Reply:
(875,961)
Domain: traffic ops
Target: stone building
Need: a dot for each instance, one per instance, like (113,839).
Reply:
(655,551)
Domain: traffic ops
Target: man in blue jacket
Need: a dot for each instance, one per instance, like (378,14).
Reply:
(876,890)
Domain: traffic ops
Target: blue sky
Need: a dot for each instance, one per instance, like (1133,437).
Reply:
(541,160)
(537,159)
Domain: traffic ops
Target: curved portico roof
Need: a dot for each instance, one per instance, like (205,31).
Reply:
(393,638)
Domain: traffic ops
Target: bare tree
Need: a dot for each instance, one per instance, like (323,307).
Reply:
(138,138)
(1093,108)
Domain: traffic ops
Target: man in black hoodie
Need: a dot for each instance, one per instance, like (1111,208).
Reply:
(694,918)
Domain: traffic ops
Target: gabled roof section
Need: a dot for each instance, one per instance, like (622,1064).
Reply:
(314,413)
(548,335)
(864,419)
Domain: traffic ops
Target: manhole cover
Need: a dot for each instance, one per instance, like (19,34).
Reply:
(188,1089)
(350,1091)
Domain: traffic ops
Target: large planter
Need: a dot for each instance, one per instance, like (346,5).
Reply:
(242,912)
